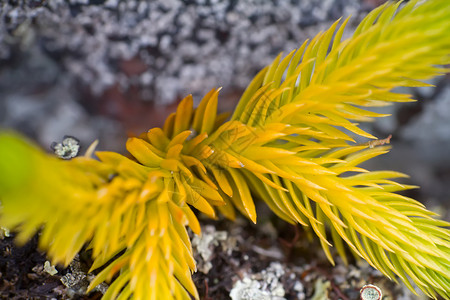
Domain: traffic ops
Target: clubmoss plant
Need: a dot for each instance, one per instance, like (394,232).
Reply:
(284,144)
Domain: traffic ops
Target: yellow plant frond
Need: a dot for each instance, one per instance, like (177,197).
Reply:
(322,89)
(300,168)
(388,230)
(126,213)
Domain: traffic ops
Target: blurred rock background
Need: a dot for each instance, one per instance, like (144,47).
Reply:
(107,69)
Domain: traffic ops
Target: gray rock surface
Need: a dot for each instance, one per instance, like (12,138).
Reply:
(176,47)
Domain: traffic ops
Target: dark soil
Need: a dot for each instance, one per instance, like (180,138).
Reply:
(256,247)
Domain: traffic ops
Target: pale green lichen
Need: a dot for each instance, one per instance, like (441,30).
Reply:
(4,232)
(49,268)
(321,288)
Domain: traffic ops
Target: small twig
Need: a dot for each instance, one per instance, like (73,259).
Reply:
(381,142)
(290,244)
(337,290)
(206,297)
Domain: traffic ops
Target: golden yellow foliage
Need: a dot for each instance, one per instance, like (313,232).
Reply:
(284,144)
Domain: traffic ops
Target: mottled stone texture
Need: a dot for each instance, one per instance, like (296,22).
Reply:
(167,48)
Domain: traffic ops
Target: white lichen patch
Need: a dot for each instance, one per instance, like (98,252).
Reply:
(76,280)
(248,289)
(265,285)
(205,243)
(300,289)
(67,149)
(71,280)
(371,292)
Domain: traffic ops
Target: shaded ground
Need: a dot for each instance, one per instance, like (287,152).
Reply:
(247,250)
